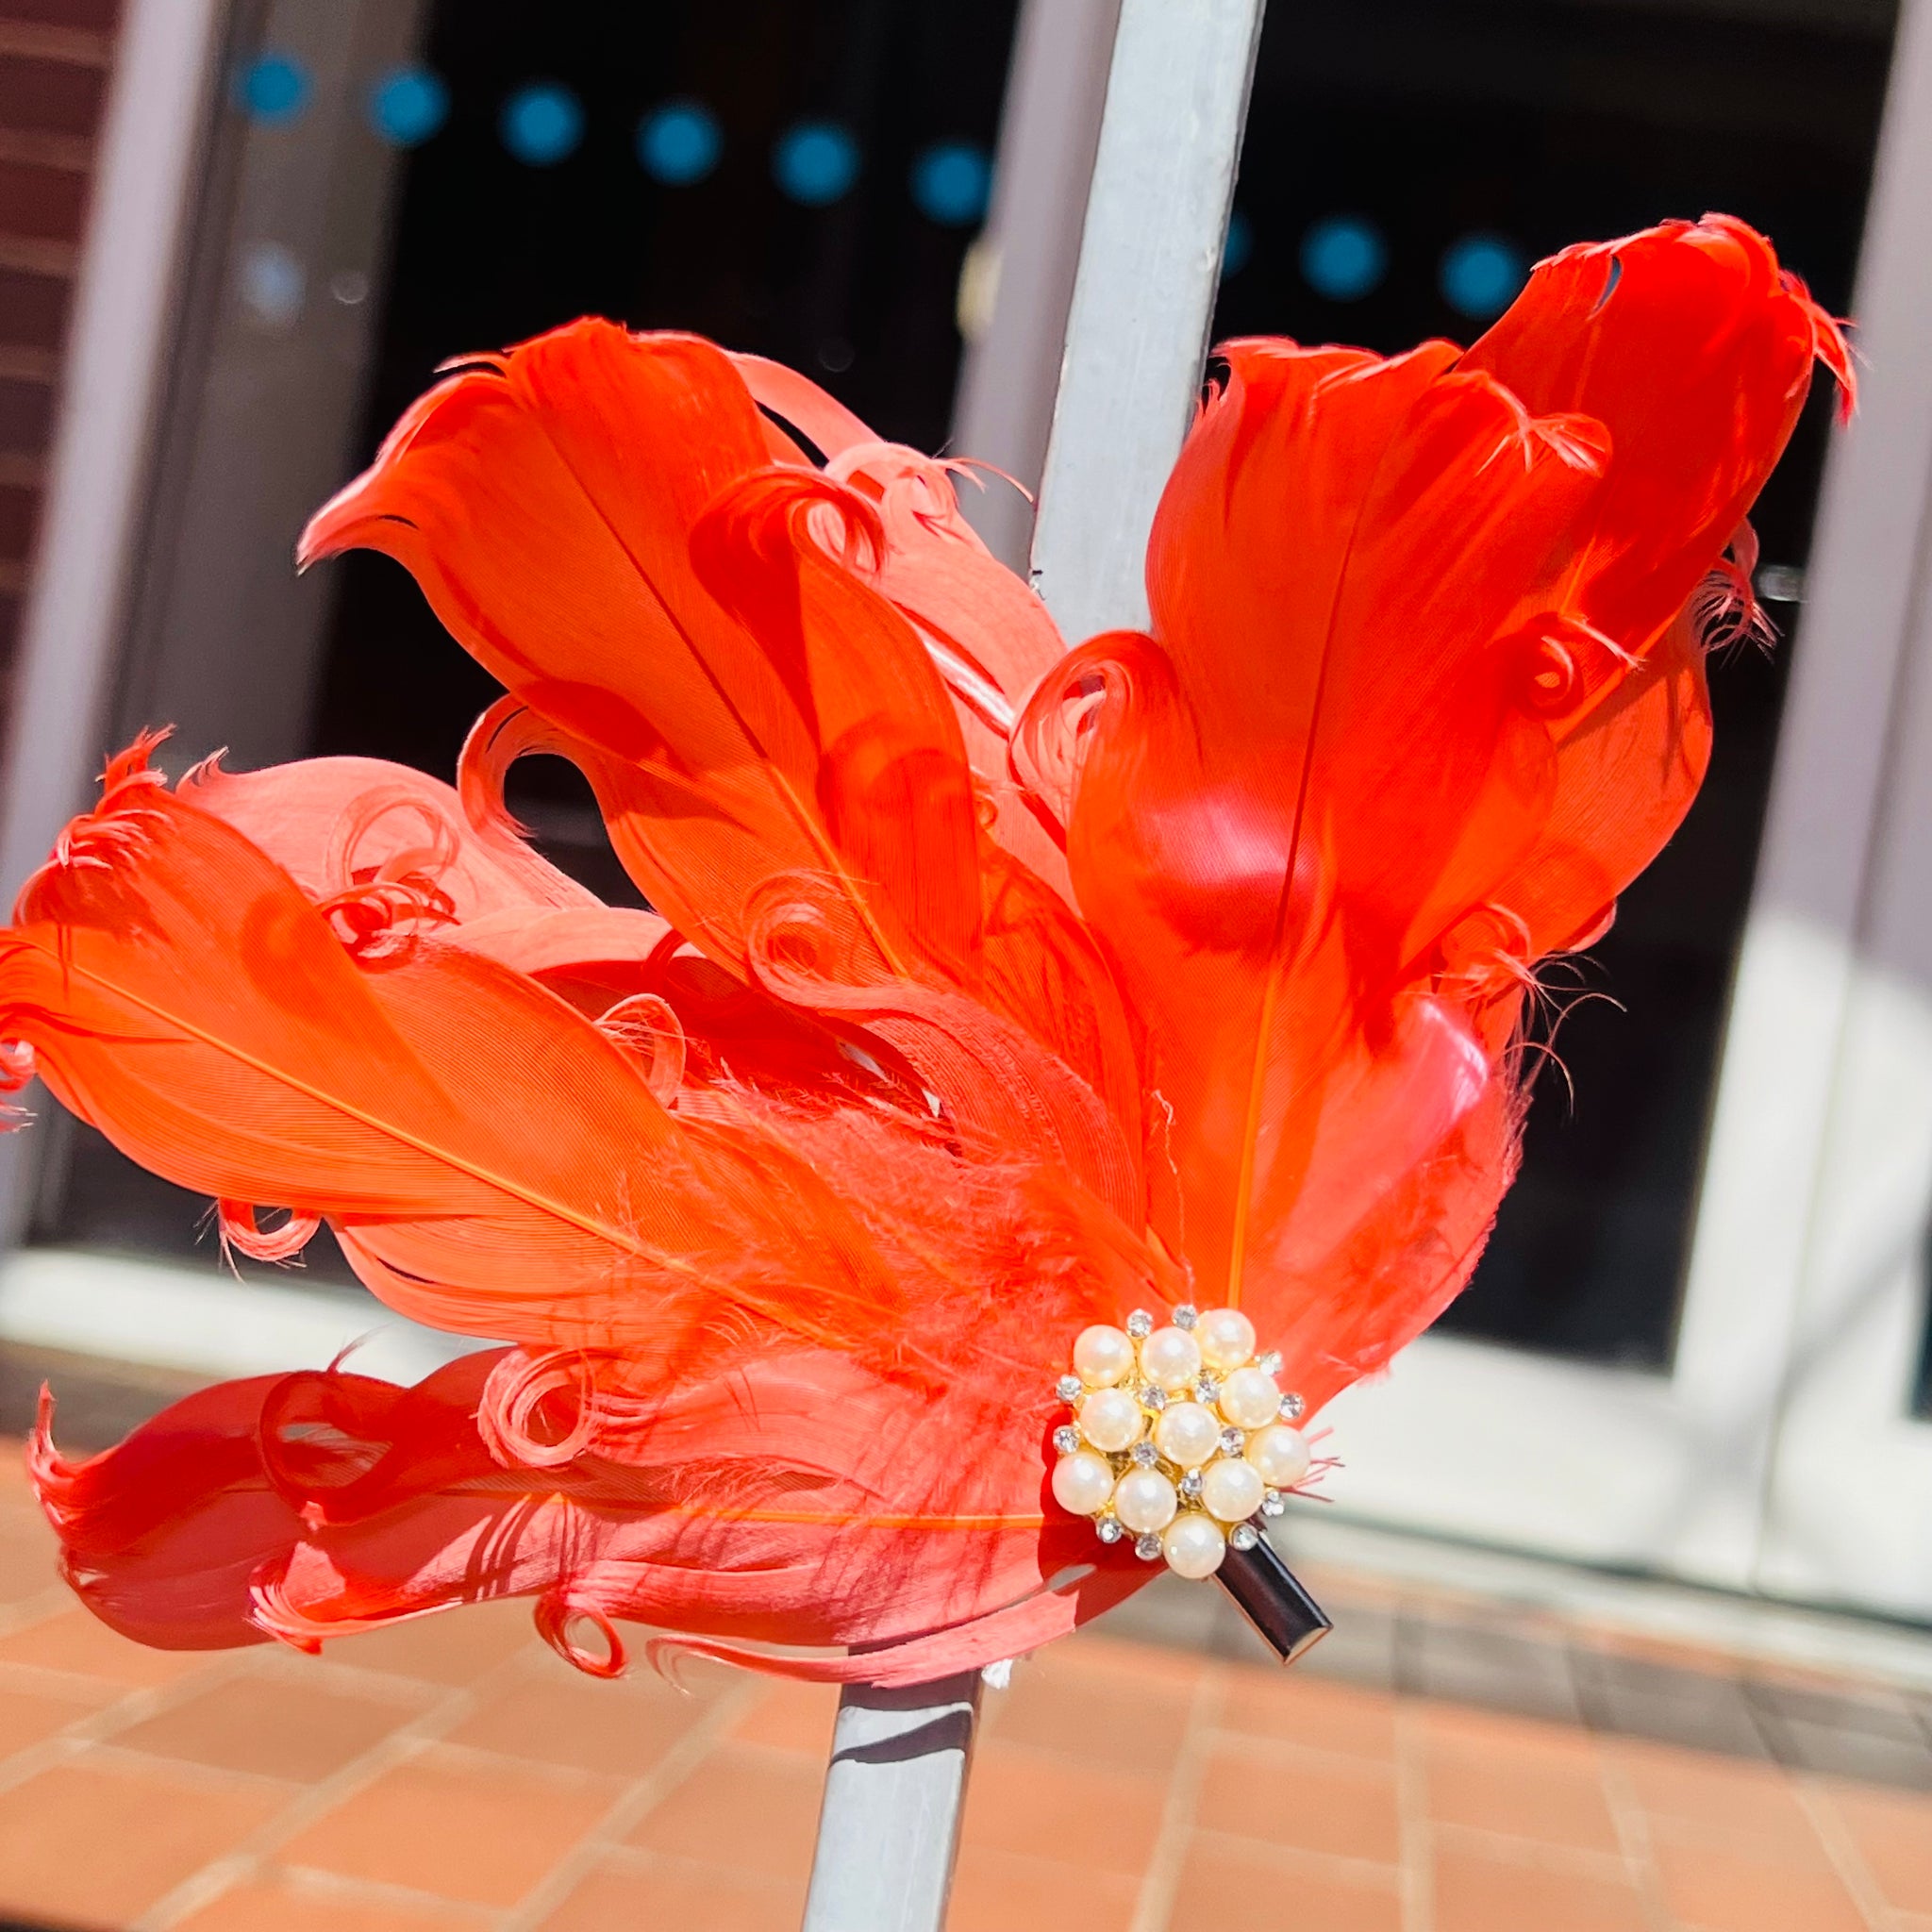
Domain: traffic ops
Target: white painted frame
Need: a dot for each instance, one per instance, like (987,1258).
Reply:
(1848,1490)
(166,63)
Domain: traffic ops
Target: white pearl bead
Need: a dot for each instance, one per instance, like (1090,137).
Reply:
(1226,1337)
(1250,1398)
(1193,1545)
(1082,1482)
(1144,1500)
(1103,1355)
(1110,1418)
(1231,1490)
(1187,1434)
(1281,1456)
(1170,1358)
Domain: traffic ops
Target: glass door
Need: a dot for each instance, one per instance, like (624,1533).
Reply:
(1609,1386)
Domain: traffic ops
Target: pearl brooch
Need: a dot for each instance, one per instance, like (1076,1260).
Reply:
(1102,1356)
(1111,1420)
(1180,1439)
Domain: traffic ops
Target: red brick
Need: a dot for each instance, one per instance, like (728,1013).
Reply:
(1730,1892)
(793,1717)
(270,1726)
(19,513)
(451,1647)
(275,1908)
(1478,1894)
(479,1838)
(26,415)
(97,16)
(996,1892)
(42,204)
(1892,1831)
(1037,1805)
(563,1717)
(76,1641)
(86,1847)
(1310,1711)
(1103,1715)
(743,1809)
(1719,1793)
(1519,1781)
(1251,1794)
(33,307)
(49,96)
(27,1717)
(676,1893)
(1226,1889)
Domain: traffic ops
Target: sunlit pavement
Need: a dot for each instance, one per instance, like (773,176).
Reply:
(454,1774)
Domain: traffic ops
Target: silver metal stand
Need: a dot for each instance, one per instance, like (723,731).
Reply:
(889,1829)
(1143,293)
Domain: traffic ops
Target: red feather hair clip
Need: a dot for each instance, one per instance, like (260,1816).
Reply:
(995,990)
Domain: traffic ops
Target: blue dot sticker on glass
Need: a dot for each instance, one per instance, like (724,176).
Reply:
(271,282)
(273,88)
(1237,246)
(815,163)
(408,106)
(952,183)
(1481,276)
(680,142)
(542,124)
(1344,257)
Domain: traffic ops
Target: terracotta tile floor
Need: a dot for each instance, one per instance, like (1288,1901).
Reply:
(456,1775)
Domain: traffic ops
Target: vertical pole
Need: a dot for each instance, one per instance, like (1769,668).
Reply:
(1143,299)
(1049,132)
(888,1830)
(1137,334)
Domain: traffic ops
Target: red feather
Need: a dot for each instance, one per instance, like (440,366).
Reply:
(992,988)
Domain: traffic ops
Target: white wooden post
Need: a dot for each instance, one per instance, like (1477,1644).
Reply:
(1137,337)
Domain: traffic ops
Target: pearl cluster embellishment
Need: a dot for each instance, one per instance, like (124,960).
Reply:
(1181,1436)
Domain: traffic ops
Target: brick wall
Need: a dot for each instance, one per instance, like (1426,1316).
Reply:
(53,59)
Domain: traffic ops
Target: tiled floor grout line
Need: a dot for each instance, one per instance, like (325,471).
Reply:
(95,1728)
(338,1888)
(1633,1833)
(1533,1854)
(630,1807)
(1368,1874)
(250,1857)
(1846,1859)
(1415,1837)
(1160,1882)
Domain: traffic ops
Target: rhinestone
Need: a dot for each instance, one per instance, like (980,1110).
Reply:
(1145,1453)
(1208,1390)
(1140,1324)
(1273,1503)
(1068,1388)
(1270,1364)
(1107,1529)
(1147,1547)
(1292,1407)
(1154,1398)
(1243,1535)
(1232,1442)
(1066,1440)
(1191,1484)
(1186,1315)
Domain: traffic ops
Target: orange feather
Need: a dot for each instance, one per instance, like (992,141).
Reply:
(991,988)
